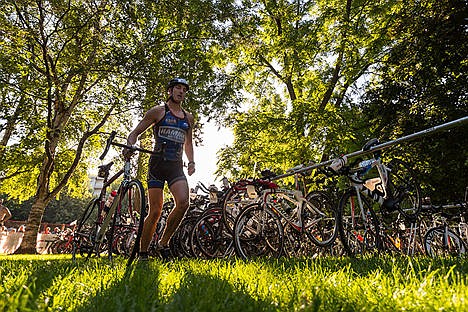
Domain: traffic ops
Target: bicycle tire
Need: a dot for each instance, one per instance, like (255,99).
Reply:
(62,247)
(180,244)
(131,216)
(129,213)
(210,236)
(435,245)
(320,227)
(258,232)
(233,203)
(82,242)
(354,235)
(404,189)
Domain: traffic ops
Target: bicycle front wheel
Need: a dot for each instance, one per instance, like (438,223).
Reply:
(358,226)
(319,217)
(258,232)
(127,224)
(441,241)
(405,194)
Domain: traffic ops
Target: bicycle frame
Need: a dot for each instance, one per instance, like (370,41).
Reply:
(369,191)
(116,204)
(296,197)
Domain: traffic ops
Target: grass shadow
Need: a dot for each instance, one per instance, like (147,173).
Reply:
(205,292)
(155,286)
(364,266)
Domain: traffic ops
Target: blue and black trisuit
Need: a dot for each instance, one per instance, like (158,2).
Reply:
(167,165)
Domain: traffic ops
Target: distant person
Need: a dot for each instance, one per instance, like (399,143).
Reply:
(5,213)
(22,228)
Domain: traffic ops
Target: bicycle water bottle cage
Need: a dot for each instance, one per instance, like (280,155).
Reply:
(371,143)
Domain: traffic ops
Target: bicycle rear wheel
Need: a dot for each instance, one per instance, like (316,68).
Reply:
(258,232)
(405,194)
(210,237)
(319,217)
(358,228)
(441,241)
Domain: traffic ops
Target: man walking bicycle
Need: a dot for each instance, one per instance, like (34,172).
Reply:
(172,129)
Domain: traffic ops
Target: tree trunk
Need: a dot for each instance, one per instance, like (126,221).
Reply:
(28,245)
(42,198)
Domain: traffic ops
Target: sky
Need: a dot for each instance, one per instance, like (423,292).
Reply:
(205,156)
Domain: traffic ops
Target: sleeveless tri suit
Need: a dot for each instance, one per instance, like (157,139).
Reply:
(167,164)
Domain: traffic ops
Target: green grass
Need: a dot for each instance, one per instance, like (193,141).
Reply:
(55,283)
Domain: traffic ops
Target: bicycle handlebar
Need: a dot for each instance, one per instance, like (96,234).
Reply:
(110,142)
(203,188)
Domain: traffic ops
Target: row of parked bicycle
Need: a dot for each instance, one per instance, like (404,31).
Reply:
(378,209)
(285,224)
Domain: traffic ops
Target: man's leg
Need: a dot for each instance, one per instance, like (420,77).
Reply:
(155,201)
(180,191)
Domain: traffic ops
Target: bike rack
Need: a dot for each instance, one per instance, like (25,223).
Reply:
(445,126)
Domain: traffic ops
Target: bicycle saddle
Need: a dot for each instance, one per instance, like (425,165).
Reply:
(104,169)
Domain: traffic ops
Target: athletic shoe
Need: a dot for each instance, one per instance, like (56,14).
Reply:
(165,253)
(143,256)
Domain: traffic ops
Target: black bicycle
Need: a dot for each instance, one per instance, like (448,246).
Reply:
(118,228)
(392,187)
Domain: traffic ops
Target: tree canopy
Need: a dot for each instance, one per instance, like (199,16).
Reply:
(347,72)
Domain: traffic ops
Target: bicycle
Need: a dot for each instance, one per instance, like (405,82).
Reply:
(395,191)
(440,239)
(284,221)
(209,237)
(64,242)
(93,216)
(240,194)
(125,215)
